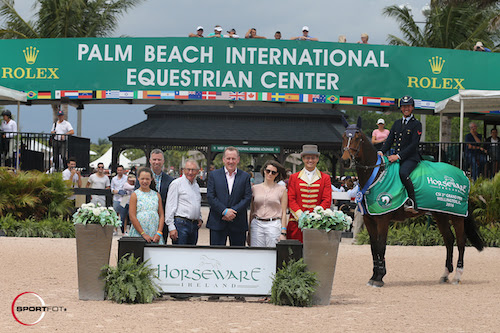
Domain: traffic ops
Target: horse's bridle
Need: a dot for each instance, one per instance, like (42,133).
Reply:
(350,132)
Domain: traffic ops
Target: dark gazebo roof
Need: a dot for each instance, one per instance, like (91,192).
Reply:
(195,125)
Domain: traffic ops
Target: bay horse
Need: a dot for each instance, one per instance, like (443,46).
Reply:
(358,152)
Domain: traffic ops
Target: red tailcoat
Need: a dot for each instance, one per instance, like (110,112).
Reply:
(304,196)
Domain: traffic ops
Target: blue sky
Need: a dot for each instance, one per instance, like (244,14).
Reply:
(327,19)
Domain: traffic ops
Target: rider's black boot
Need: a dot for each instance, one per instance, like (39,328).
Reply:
(412,206)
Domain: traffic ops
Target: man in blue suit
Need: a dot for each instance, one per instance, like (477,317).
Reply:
(162,181)
(229,194)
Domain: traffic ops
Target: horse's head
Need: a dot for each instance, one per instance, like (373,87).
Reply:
(351,143)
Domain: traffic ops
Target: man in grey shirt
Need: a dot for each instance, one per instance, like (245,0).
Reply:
(183,208)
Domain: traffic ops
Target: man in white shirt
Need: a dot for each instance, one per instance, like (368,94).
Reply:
(183,208)
(72,174)
(101,181)
(8,127)
(62,128)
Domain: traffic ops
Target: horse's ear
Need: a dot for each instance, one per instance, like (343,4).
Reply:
(344,121)
(358,125)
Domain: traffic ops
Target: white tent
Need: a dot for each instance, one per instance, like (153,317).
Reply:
(106,160)
(485,102)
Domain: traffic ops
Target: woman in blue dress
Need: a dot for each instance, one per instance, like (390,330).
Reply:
(146,209)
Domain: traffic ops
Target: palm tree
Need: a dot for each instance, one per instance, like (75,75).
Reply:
(452,24)
(64,19)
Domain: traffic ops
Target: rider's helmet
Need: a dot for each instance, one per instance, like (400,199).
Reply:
(406,100)
(7,113)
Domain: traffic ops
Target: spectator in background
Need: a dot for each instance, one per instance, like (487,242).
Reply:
(129,188)
(494,150)
(217,32)
(305,35)
(117,184)
(277,35)
(71,173)
(476,154)
(380,134)
(480,47)
(100,181)
(61,128)
(8,127)
(252,33)
(231,34)
(342,39)
(364,39)
(198,34)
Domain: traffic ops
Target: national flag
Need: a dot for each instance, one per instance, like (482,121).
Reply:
(237,96)
(58,94)
(264,96)
(318,98)
(209,95)
(100,94)
(126,94)
(223,96)
(138,94)
(182,95)
(292,97)
(360,100)
(152,94)
(346,100)
(32,94)
(71,94)
(44,94)
(112,94)
(85,94)
(251,96)
(374,101)
(168,95)
(195,95)
(386,101)
(332,99)
(278,97)
(421,104)
(305,98)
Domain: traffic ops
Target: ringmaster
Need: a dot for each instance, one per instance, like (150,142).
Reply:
(229,194)
(405,135)
(307,189)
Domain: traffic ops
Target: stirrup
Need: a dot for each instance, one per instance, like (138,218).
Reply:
(410,206)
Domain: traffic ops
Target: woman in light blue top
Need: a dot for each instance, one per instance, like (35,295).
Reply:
(146,209)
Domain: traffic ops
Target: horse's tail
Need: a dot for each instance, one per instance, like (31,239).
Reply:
(472,231)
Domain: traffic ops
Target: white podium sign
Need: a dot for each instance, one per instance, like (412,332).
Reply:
(219,271)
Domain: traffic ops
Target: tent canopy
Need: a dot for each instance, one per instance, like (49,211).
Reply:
(485,102)
(106,160)
(12,95)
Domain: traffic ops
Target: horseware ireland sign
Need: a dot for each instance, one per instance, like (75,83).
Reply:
(240,69)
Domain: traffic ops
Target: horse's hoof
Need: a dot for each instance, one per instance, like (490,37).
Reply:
(378,284)
(456,282)
(444,279)
(370,283)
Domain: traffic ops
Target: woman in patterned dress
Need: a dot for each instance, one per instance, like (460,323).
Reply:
(146,209)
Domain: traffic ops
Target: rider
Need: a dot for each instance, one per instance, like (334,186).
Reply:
(405,135)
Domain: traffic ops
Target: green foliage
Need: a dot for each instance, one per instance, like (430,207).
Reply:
(92,214)
(101,147)
(130,282)
(293,285)
(485,199)
(33,194)
(324,219)
(419,234)
(49,227)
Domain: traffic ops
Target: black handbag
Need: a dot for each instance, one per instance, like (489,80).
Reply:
(52,136)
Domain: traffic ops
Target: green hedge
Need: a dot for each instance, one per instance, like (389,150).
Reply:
(49,227)
(422,234)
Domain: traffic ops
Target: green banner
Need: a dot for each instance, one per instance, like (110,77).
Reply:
(247,149)
(240,69)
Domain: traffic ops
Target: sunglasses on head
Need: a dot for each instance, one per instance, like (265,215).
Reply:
(272,172)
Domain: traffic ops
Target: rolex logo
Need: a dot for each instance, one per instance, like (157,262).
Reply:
(437,64)
(30,55)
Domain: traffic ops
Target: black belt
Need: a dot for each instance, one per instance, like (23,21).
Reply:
(268,220)
(185,219)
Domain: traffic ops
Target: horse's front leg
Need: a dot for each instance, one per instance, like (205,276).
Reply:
(458,225)
(382,229)
(449,239)
(371,227)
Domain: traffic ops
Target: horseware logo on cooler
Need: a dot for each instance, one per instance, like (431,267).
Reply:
(30,54)
(384,199)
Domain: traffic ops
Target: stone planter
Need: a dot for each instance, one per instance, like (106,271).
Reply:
(320,255)
(93,247)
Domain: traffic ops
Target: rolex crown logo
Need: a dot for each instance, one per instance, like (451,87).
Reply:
(30,55)
(437,64)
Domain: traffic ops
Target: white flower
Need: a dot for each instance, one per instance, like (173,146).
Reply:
(318,209)
(316,216)
(329,212)
(96,211)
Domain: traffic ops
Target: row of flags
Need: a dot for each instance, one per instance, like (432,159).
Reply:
(226,96)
